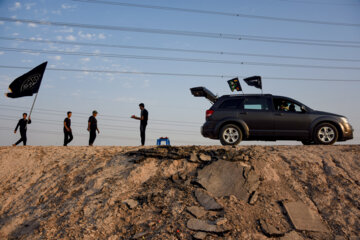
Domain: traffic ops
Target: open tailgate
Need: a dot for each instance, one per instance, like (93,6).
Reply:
(203,92)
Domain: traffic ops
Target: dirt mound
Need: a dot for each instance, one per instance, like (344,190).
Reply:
(256,192)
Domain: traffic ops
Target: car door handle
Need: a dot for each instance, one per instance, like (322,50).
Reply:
(243,113)
(279,114)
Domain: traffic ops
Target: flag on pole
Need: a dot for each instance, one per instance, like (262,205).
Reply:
(27,84)
(234,84)
(254,81)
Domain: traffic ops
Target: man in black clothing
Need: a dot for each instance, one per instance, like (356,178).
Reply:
(92,127)
(68,137)
(143,122)
(23,127)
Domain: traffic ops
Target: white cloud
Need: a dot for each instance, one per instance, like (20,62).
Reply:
(26,61)
(46,85)
(77,93)
(56,12)
(87,59)
(59,38)
(28,6)
(1,53)
(70,38)
(102,36)
(56,58)
(32,25)
(67,6)
(146,83)
(88,36)
(16,6)
(2,23)
(15,34)
(65,30)
(126,99)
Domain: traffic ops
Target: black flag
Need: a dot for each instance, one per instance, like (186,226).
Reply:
(254,81)
(27,84)
(234,84)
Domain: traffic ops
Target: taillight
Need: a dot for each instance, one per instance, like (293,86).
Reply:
(209,113)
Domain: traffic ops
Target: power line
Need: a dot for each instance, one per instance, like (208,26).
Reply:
(184,74)
(241,15)
(23,50)
(315,42)
(110,127)
(177,49)
(107,117)
(101,136)
(321,3)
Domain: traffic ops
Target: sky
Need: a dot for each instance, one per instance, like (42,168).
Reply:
(112,55)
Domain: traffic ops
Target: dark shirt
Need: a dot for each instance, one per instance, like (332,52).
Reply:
(93,123)
(67,122)
(22,124)
(145,114)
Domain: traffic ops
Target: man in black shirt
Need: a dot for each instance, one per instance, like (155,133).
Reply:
(92,127)
(23,127)
(68,137)
(143,122)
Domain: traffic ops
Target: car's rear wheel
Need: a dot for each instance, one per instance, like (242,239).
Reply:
(326,134)
(230,135)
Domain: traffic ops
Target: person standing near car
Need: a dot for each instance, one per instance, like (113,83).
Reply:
(92,127)
(23,128)
(143,122)
(68,136)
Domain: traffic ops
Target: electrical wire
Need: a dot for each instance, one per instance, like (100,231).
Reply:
(192,51)
(302,41)
(184,74)
(109,127)
(241,15)
(107,55)
(105,117)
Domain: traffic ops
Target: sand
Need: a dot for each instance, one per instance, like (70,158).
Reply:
(81,192)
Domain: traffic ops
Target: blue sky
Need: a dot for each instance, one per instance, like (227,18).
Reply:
(173,111)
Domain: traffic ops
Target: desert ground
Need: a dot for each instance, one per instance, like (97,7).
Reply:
(185,192)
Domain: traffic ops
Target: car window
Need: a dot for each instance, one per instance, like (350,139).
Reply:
(286,105)
(231,104)
(256,104)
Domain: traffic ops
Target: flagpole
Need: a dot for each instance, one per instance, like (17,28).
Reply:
(33,104)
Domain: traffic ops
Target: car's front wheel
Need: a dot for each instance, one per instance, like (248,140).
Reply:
(326,134)
(230,135)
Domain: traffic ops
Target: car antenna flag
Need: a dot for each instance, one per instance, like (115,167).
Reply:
(234,84)
(254,81)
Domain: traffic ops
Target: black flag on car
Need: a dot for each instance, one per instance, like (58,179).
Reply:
(234,84)
(254,81)
(27,84)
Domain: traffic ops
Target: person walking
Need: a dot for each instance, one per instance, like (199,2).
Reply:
(68,136)
(92,127)
(23,127)
(143,122)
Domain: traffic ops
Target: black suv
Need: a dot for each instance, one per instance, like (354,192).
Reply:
(233,118)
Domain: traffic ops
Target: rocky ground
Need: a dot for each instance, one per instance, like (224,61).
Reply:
(247,192)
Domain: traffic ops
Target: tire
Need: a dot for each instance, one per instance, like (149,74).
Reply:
(230,135)
(326,134)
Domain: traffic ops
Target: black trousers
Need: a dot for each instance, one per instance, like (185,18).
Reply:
(23,138)
(92,136)
(142,133)
(68,137)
